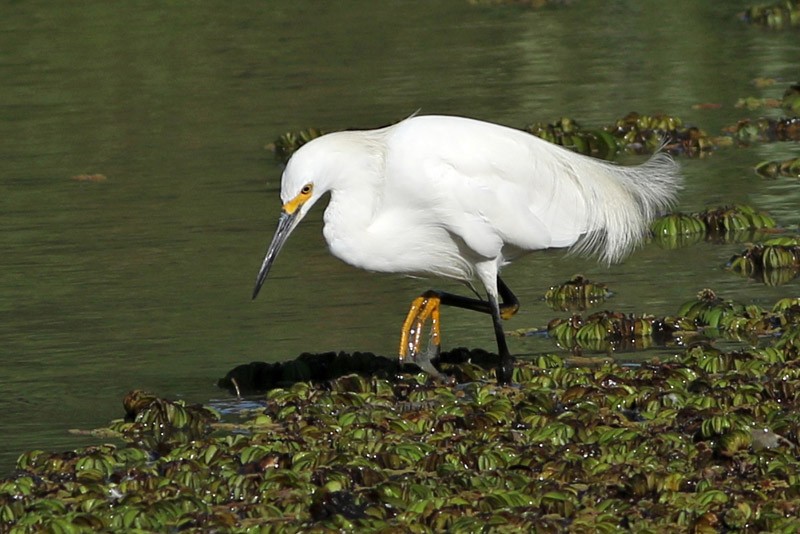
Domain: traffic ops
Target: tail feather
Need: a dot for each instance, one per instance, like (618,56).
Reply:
(622,201)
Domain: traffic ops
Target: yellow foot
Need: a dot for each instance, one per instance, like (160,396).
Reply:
(423,308)
(507,311)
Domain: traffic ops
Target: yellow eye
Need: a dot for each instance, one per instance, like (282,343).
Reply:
(306,190)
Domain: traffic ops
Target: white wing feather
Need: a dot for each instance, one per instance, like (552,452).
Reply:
(498,188)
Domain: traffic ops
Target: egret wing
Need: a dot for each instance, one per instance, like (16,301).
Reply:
(492,186)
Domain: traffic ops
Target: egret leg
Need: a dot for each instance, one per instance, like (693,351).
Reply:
(505,367)
(426,307)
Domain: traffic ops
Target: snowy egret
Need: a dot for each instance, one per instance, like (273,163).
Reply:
(460,198)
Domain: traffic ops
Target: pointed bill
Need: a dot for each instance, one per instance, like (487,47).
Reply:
(286,224)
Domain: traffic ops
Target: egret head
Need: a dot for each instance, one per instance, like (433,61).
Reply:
(302,185)
(331,162)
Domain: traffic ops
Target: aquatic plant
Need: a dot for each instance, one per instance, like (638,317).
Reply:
(775,16)
(753,103)
(705,439)
(773,169)
(765,130)
(604,331)
(727,220)
(776,261)
(568,133)
(791,99)
(286,145)
(633,133)
(676,224)
(610,447)
(643,134)
(577,293)
(725,224)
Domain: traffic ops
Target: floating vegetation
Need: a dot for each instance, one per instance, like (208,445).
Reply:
(578,293)
(775,262)
(568,133)
(726,223)
(788,303)
(753,103)
(763,82)
(154,423)
(634,133)
(715,314)
(765,130)
(790,101)
(286,145)
(708,309)
(773,169)
(707,314)
(738,321)
(707,438)
(791,98)
(643,134)
(606,331)
(725,220)
(676,224)
(776,16)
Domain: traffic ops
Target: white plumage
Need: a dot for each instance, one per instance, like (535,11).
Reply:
(460,198)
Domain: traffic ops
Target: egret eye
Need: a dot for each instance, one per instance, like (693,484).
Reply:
(306,189)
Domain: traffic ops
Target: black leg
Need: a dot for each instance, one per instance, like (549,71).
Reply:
(507,307)
(505,365)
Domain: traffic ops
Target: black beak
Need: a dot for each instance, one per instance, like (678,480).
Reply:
(286,224)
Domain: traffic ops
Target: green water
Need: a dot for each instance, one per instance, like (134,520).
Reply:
(143,280)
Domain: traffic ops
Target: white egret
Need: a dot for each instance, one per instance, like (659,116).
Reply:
(459,198)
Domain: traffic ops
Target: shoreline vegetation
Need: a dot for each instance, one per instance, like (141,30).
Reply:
(706,440)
